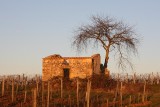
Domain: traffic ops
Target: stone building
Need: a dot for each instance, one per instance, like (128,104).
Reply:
(70,67)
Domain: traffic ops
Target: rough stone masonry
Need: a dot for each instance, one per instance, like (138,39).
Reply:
(70,67)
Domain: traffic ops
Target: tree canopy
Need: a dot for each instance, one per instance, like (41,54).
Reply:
(114,36)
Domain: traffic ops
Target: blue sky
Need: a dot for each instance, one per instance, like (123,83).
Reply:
(31,30)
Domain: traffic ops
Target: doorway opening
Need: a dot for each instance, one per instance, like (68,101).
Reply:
(66,73)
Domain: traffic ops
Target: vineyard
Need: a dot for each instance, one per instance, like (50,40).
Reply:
(96,91)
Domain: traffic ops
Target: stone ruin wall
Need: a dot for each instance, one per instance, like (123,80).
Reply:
(80,67)
(51,67)
(96,63)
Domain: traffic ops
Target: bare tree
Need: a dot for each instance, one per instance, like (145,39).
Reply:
(114,36)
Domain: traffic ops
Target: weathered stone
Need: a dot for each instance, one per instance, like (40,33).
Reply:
(81,67)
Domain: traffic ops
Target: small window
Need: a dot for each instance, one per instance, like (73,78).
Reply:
(93,65)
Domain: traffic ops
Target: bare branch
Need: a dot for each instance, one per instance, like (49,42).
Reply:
(112,35)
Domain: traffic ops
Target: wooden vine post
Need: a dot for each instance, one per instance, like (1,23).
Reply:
(88,92)
(144,92)
(114,102)
(77,92)
(48,93)
(25,91)
(17,83)
(130,99)
(134,78)
(3,81)
(25,95)
(42,94)
(117,90)
(70,101)
(22,81)
(157,78)
(7,81)
(61,87)
(152,78)
(127,78)
(138,97)
(37,83)
(12,89)
(107,103)
(34,97)
(121,95)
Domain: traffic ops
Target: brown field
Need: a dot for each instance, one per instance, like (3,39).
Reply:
(95,91)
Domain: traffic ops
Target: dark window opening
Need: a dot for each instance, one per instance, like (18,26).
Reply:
(66,73)
(93,65)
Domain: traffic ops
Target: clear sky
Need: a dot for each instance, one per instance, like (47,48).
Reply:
(33,29)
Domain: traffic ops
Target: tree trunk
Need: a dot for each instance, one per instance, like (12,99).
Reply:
(106,59)
(106,62)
